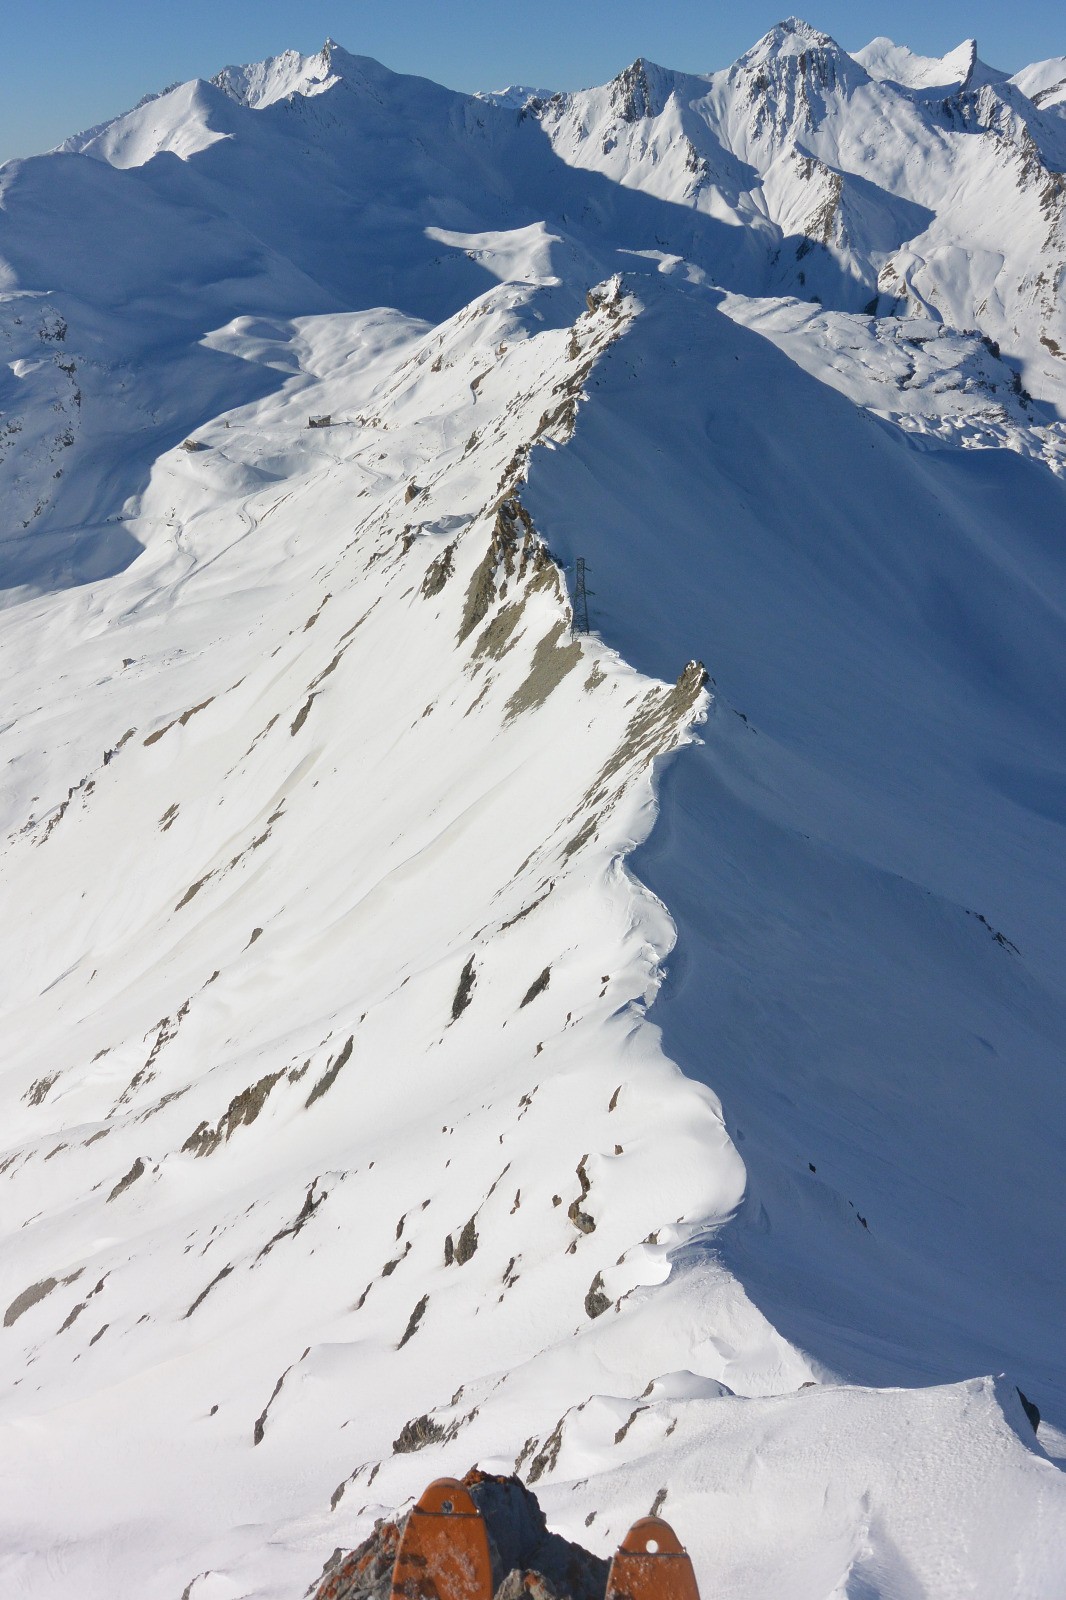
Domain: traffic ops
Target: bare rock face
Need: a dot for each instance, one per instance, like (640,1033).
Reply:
(364,1572)
(528,1562)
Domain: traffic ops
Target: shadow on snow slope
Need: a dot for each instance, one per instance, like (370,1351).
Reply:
(879,793)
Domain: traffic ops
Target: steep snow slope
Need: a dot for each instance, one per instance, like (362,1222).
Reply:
(339,1151)
(228,824)
(959,69)
(895,775)
(940,385)
(1045,83)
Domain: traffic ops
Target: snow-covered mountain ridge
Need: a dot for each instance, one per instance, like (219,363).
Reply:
(339,1148)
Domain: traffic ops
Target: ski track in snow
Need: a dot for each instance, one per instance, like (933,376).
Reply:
(335,1122)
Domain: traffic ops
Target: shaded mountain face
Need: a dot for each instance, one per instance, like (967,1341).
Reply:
(365,1116)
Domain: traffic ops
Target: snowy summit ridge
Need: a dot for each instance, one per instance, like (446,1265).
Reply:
(433,1031)
(265,82)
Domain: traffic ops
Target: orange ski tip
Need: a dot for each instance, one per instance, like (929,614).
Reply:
(651,1563)
(444,1552)
(447,1497)
(652,1536)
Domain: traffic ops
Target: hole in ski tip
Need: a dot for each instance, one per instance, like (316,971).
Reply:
(447,1505)
(652,1547)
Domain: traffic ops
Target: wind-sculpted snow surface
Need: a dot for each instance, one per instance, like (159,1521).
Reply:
(339,1150)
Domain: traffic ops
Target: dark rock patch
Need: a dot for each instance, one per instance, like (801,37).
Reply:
(202,1296)
(416,1435)
(260,1422)
(185,718)
(551,663)
(582,1220)
(466,1243)
(465,991)
(242,1110)
(135,1172)
(416,1317)
(390,1266)
(302,715)
(38,1091)
(329,1077)
(193,890)
(497,637)
(72,1316)
(307,1211)
(29,1297)
(438,572)
(597,1301)
(538,986)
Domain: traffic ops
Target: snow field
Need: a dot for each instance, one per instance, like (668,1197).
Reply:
(339,1149)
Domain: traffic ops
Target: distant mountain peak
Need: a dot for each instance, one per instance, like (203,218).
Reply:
(789,77)
(1044,82)
(793,37)
(514,96)
(888,62)
(793,49)
(633,92)
(261,83)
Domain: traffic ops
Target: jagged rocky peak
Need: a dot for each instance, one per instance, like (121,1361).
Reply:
(998,107)
(292,76)
(794,52)
(793,37)
(793,46)
(963,60)
(639,91)
(790,74)
(515,97)
(261,83)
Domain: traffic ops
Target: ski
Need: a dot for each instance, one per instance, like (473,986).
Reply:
(444,1551)
(651,1563)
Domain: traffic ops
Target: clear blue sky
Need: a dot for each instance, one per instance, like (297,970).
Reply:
(67,64)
